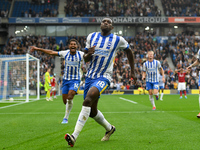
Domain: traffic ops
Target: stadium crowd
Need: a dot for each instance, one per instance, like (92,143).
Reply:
(111,8)
(181,7)
(4,13)
(181,50)
(46,13)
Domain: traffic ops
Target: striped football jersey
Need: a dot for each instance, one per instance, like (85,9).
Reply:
(72,69)
(152,70)
(106,47)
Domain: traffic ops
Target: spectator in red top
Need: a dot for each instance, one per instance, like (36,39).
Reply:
(181,81)
(127,86)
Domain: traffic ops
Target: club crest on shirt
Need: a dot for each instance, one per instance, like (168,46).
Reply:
(109,44)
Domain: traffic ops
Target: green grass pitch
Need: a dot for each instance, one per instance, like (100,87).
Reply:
(37,125)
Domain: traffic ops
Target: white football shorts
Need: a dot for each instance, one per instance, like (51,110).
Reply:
(181,86)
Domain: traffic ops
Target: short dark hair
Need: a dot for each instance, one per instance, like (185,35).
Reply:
(73,40)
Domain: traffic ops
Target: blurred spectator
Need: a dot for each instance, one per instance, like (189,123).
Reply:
(181,7)
(111,8)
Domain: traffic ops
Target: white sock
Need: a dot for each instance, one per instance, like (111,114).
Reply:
(82,118)
(161,95)
(99,118)
(157,94)
(199,100)
(152,100)
(69,106)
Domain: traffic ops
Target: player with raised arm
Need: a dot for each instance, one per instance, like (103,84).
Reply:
(151,74)
(100,51)
(181,81)
(161,86)
(53,86)
(71,76)
(197,62)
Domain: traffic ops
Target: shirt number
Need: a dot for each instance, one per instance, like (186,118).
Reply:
(101,84)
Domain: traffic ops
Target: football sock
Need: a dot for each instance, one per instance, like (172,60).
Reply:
(83,116)
(157,95)
(69,106)
(51,93)
(54,93)
(99,118)
(184,93)
(152,100)
(180,93)
(161,95)
(199,100)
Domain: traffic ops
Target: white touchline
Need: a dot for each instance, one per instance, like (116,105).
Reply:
(127,100)
(18,104)
(127,112)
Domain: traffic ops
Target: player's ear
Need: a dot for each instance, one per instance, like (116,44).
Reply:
(112,28)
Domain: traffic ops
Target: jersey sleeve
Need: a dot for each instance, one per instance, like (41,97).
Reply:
(81,53)
(88,41)
(144,67)
(123,44)
(198,55)
(159,64)
(63,53)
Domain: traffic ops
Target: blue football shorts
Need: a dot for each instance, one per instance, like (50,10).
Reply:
(70,85)
(150,86)
(100,83)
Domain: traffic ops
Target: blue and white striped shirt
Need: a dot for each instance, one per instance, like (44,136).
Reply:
(106,47)
(152,70)
(72,69)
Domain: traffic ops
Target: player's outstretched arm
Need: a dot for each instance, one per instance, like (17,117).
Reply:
(192,65)
(131,60)
(47,51)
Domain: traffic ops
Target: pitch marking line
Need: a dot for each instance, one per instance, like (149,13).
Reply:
(128,100)
(19,103)
(55,113)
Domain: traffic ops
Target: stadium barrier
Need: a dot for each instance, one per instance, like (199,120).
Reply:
(121,92)
(136,92)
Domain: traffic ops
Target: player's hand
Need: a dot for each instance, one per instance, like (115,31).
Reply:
(91,50)
(33,48)
(50,84)
(143,78)
(163,79)
(188,68)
